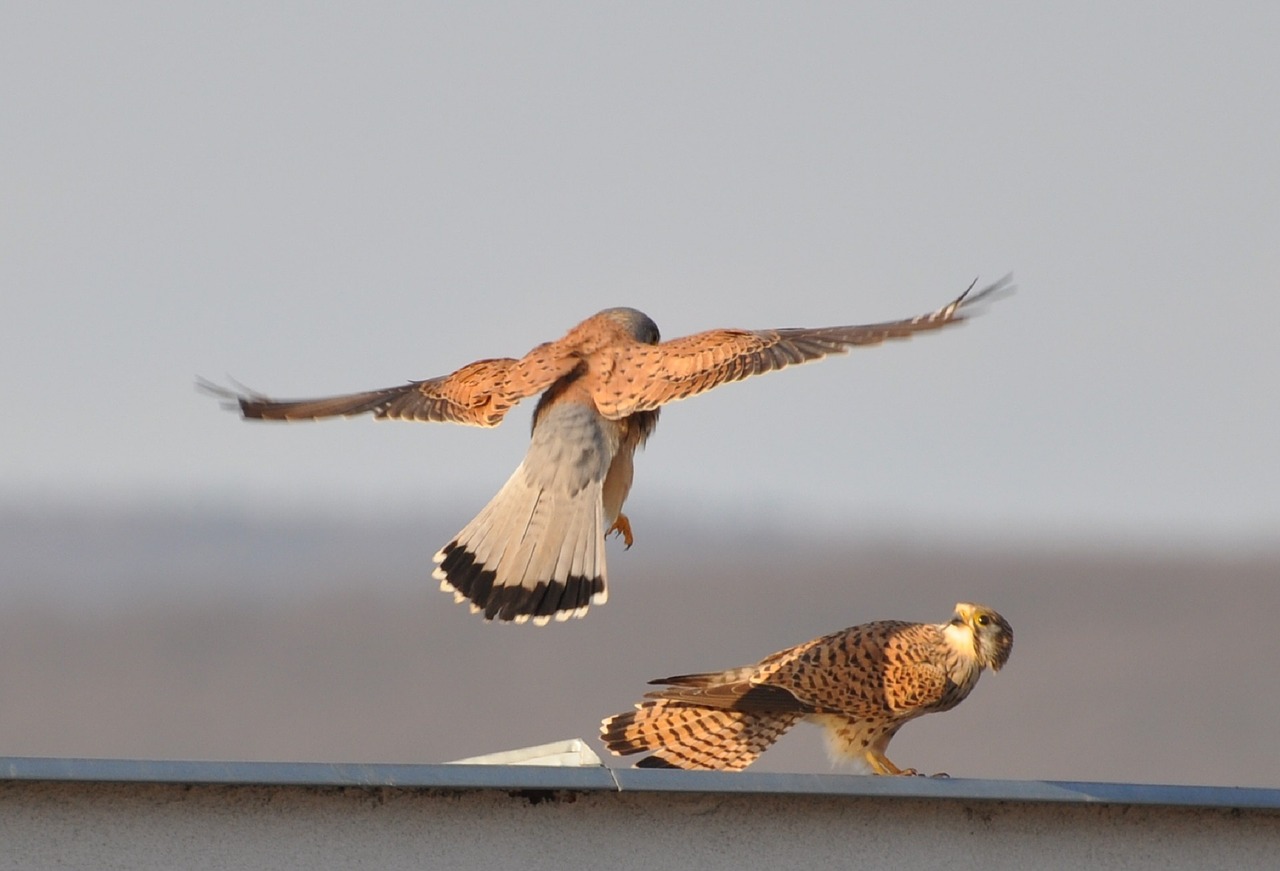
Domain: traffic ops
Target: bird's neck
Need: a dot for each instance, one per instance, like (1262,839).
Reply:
(963,649)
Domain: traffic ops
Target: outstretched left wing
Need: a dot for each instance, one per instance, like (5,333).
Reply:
(652,376)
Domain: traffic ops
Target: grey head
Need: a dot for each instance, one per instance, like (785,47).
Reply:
(637,323)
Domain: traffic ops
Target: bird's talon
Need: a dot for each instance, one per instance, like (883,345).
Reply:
(622,526)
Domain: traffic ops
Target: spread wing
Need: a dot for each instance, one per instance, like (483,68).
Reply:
(684,367)
(478,394)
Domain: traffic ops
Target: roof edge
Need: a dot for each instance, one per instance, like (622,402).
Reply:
(599,778)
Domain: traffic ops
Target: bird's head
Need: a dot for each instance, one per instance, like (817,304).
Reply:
(992,634)
(638,324)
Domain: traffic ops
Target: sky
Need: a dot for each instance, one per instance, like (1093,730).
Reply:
(315,199)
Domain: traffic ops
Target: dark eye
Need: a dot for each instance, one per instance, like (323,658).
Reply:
(983,619)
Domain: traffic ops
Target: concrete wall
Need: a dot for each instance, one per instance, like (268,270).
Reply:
(50,824)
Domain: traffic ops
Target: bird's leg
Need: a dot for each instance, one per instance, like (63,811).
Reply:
(880,764)
(622,526)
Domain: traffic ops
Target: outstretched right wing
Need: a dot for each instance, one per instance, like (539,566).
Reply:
(478,394)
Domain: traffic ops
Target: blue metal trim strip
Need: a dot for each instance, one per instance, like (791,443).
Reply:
(530,777)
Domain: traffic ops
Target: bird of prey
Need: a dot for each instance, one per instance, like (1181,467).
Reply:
(537,550)
(861,685)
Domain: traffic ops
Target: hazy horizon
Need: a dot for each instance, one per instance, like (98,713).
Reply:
(208,636)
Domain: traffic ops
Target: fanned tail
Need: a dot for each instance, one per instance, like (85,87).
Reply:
(530,554)
(687,736)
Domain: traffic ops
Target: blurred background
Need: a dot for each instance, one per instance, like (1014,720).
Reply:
(317,200)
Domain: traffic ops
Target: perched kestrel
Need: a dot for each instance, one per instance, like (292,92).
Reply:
(537,549)
(861,685)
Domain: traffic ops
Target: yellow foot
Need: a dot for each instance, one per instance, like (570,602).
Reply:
(880,764)
(622,526)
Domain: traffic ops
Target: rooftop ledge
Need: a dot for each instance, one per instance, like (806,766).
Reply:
(593,778)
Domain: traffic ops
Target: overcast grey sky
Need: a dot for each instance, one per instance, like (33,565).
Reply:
(317,199)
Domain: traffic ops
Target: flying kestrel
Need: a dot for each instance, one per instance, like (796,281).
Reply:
(861,685)
(536,551)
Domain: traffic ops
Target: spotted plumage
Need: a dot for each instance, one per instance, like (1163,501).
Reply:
(861,685)
(536,551)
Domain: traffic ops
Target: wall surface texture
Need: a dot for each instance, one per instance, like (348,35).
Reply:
(165,826)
